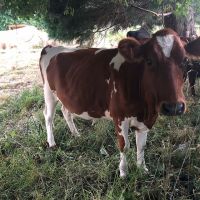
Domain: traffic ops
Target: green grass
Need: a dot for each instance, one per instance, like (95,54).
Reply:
(77,168)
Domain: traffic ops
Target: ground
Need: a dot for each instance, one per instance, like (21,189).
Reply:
(18,70)
(86,168)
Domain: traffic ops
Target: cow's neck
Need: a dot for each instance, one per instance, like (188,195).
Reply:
(126,85)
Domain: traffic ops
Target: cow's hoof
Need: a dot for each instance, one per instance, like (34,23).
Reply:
(52,146)
(146,171)
(76,134)
(123,174)
(143,167)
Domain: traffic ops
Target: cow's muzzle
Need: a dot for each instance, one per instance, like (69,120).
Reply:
(171,109)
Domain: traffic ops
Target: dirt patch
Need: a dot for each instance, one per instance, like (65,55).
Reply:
(19,70)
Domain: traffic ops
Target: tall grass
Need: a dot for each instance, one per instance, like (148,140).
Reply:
(86,168)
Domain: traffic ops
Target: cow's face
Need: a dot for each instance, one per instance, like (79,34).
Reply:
(162,81)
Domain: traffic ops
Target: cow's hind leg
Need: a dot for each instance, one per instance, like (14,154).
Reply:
(49,111)
(69,119)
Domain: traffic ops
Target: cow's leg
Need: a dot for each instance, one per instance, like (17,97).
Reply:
(69,119)
(123,143)
(192,78)
(141,138)
(49,111)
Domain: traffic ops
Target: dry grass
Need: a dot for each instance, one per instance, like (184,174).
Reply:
(18,70)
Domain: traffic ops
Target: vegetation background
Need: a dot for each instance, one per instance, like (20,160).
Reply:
(87,168)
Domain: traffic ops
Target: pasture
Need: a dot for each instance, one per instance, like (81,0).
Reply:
(86,168)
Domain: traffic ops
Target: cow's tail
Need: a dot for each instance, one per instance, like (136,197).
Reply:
(43,53)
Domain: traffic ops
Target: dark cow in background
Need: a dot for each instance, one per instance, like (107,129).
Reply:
(192,63)
(130,85)
(192,72)
(142,33)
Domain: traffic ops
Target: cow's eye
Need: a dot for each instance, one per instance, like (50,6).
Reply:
(149,62)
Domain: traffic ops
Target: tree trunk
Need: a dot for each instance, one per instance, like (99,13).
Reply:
(183,25)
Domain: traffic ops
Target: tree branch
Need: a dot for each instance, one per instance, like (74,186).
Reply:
(150,11)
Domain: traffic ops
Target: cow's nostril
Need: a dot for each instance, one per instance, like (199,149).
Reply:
(172,108)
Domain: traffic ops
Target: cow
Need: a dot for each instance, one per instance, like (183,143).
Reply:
(191,64)
(130,85)
(192,72)
(143,32)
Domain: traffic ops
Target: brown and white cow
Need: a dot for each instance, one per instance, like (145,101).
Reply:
(191,64)
(130,85)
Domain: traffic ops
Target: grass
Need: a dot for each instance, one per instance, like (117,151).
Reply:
(86,168)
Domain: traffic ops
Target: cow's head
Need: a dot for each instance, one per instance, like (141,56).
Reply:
(161,59)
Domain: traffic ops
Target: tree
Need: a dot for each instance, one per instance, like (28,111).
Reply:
(81,19)
(182,20)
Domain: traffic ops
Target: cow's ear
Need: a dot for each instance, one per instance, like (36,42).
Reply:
(193,47)
(128,48)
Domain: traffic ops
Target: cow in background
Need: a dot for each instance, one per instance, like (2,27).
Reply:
(129,85)
(191,64)
(142,33)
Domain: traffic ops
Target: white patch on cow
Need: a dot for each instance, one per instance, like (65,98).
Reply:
(50,53)
(85,115)
(53,51)
(124,132)
(111,95)
(123,165)
(166,42)
(108,81)
(107,115)
(139,125)
(99,50)
(114,87)
(118,60)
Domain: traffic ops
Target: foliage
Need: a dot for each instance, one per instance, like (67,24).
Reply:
(77,169)
(7,18)
(73,19)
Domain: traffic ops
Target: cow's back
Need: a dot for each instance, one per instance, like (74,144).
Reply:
(80,78)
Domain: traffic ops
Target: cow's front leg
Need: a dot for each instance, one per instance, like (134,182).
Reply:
(123,144)
(141,138)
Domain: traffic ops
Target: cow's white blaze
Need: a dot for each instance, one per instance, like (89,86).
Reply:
(166,42)
(118,60)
